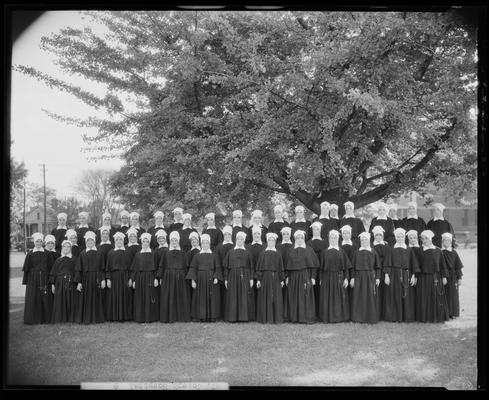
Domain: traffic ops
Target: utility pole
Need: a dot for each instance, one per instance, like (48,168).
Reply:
(45,219)
(25,226)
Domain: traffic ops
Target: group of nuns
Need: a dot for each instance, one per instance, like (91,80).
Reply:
(331,270)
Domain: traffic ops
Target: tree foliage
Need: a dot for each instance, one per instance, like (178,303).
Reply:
(233,107)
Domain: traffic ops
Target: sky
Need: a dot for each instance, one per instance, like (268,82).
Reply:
(36,137)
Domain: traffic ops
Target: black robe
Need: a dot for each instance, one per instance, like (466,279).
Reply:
(357,227)
(269,270)
(276,227)
(318,245)
(175,226)
(90,272)
(283,249)
(185,244)
(383,250)
(146,295)
(301,267)
(366,269)
(399,304)
(191,253)
(240,299)
(431,301)
(75,251)
(80,233)
(62,276)
(388,226)
(397,223)
(159,254)
(439,227)
(38,296)
(301,226)
(119,299)
(206,300)
(132,251)
(221,251)
(418,224)
(59,235)
(216,236)
(349,249)
(175,293)
(454,267)
(334,305)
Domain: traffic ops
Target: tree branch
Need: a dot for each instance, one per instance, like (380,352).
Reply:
(265,186)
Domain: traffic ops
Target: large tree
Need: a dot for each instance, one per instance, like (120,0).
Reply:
(229,106)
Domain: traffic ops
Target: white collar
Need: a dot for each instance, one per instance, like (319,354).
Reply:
(394,218)
(133,244)
(159,226)
(447,248)
(177,222)
(209,251)
(52,251)
(237,225)
(278,220)
(162,245)
(198,248)
(377,243)
(429,247)
(438,219)
(344,241)
(94,248)
(35,250)
(301,246)
(211,227)
(300,220)
(138,227)
(119,248)
(268,249)
(82,226)
(349,216)
(187,227)
(106,242)
(381,218)
(174,248)
(317,238)
(414,245)
(238,247)
(334,217)
(287,242)
(401,245)
(124,226)
(260,243)
(324,217)
(365,248)
(67,255)
(225,242)
(334,247)
(148,250)
(412,216)
(76,244)
(61,227)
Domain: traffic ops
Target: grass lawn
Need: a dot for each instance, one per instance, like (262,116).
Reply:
(347,354)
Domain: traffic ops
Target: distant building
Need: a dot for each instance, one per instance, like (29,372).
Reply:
(34,221)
